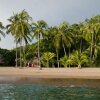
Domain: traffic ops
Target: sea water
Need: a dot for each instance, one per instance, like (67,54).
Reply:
(45,92)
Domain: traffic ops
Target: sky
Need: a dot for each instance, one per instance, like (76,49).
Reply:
(52,11)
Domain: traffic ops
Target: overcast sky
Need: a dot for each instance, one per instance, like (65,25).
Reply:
(52,11)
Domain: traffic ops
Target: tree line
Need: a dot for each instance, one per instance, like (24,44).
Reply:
(63,45)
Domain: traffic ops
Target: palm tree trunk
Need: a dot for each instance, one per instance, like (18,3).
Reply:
(57,57)
(64,48)
(16,55)
(39,64)
(69,56)
(24,45)
(91,48)
(48,63)
(81,46)
(20,52)
(79,66)
(95,52)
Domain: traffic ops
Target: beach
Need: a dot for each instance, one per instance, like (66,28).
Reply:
(67,82)
(51,76)
(84,73)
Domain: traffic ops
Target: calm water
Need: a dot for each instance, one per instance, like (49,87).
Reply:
(44,92)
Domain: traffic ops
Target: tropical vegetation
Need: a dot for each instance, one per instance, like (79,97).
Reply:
(64,45)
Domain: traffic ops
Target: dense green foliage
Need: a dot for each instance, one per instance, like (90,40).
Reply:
(72,45)
(46,57)
(8,57)
(19,26)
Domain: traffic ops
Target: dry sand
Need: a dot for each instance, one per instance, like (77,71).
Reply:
(84,73)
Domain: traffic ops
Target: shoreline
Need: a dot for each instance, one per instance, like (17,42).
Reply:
(67,82)
(51,76)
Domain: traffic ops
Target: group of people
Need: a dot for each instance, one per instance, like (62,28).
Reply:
(31,64)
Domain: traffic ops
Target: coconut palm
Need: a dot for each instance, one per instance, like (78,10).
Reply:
(79,32)
(53,31)
(55,36)
(47,56)
(60,36)
(93,36)
(12,28)
(63,36)
(79,59)
(64,60)
(25,58)
(20,28)
(24,30)
(39,29)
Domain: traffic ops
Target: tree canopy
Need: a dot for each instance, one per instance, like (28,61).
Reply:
(62,45)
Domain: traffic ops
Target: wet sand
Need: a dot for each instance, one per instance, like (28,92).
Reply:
(51,81)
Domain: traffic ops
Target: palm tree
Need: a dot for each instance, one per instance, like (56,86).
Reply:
(25,58)
(60,35)
(20,28)
(39,29)
(47,56)
(53,31)
(63,36)
(24,30)
(1,30)
(93,36)
(79,59)
(12,28)
(65,61)
(79,32)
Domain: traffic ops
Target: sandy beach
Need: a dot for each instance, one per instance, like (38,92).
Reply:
(84,73)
